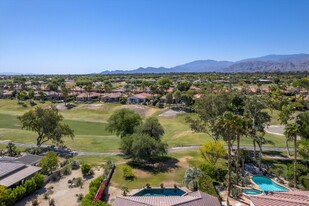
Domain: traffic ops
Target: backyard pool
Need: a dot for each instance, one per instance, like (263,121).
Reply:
(160,192)
(267,185)
(252,192)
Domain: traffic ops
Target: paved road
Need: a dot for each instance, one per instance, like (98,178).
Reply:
(172,149)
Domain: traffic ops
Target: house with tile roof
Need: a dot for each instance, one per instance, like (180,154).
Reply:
(197,198)
(292,198)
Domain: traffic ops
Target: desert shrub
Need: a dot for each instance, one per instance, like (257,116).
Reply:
(245,181)
(67,170)
(46,196)
(33,150)
(127,172)
(78,182)
(35,202)
(236,192)
(86,169)
(80,197)
(51,202)
(75,165)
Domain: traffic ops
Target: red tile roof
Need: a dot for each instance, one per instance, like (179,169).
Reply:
(293,198)
(193,199)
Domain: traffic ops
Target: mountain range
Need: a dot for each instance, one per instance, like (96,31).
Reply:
(269,63)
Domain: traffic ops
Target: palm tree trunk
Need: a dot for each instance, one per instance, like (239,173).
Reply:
(254,150)
(229,166)
(295,162)
(238,157)
(287,146)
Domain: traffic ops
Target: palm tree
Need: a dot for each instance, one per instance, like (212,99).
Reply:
(241,129)
(125,190)
(291,131)
(191,178)
(226,126)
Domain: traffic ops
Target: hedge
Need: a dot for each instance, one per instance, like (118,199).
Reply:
(9,196)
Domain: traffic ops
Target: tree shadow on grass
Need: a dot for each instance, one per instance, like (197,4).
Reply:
(163,164)
(275,153)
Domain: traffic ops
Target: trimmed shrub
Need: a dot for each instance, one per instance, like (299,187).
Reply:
(30,186)
(127,172)
(86,169)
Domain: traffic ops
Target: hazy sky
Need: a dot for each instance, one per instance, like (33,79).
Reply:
(84,36)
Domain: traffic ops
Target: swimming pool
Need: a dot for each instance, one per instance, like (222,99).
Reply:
(160,192)
(252,192)
(267,185)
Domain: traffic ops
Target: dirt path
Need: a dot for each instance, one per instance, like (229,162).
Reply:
(62,193)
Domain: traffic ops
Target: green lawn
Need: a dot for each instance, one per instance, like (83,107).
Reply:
(89,123)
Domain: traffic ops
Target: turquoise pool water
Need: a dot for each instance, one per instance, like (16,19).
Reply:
(160,192)
(266,184)
(252,192)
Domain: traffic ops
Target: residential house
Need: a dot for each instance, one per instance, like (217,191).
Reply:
(138,98)
(14,171)
(197,198)
(292,198)
(111,97)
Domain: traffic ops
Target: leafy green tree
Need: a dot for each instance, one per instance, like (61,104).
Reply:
(259,118)
(152,128)
(146,148)
(21,96)
(49,162)
(123,122)
(211,151)
(183,86)
(209,107)
(191,178)
(164,83)
(47,123)
(169,98)
(31,94)
(177,96)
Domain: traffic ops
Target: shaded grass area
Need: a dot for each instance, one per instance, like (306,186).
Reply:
(173,171)
(98,160)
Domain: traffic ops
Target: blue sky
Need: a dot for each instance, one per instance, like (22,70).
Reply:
(84,36)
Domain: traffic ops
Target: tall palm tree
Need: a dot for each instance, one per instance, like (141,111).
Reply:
(291,131)
(191,178)
(226,126)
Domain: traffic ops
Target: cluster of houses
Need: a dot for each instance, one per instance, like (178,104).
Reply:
(135,95)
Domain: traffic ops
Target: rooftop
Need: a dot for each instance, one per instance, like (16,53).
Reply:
(193,198)
(292,198)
